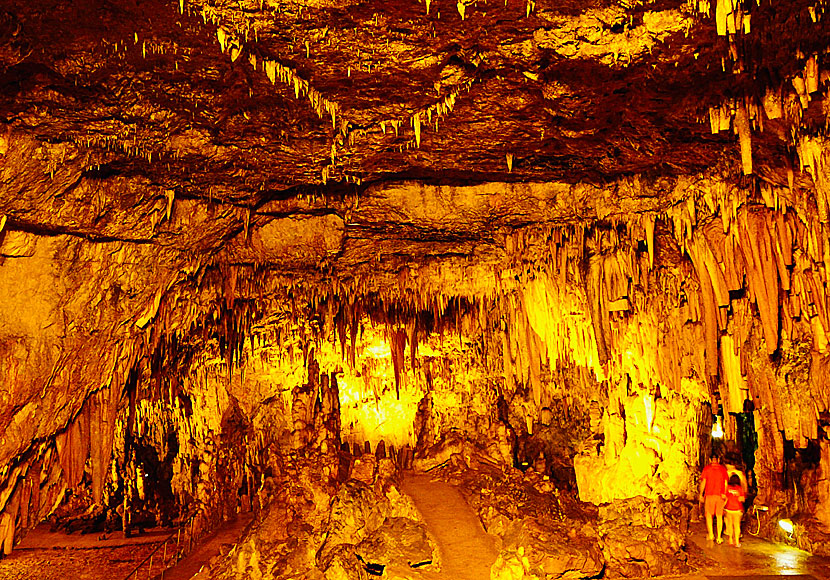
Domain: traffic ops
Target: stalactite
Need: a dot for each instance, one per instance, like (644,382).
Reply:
(710,315)
(762,272)
(732,376)
(733,263)
(398,344)
(73,449)
(412,337)
(7,532)
(744,137)
(507,358)
(594,286)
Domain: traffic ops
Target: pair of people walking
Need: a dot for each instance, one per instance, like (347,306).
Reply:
(722,490)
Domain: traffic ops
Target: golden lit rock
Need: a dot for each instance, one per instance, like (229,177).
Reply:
(253,288)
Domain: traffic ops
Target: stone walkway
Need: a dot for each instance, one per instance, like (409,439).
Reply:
(756,558)
(228,533)
(467,552)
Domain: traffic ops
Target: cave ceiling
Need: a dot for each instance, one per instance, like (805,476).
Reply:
(261,108)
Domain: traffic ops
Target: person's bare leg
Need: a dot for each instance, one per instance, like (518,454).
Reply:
(709,535)
(727,527)
(719,518)
(736,530)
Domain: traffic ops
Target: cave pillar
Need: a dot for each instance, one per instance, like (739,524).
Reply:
(7,533)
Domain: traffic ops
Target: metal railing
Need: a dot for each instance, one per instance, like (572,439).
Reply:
(192,532)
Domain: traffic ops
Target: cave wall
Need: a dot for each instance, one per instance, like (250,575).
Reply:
(634,319)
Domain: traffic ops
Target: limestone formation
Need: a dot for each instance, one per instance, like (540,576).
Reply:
(266,256)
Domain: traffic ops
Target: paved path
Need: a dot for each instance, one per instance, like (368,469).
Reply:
(756,558)
(467,552)
(228,533)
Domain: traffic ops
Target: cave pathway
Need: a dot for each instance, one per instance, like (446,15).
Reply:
(467,551)
(756,558)
(191,565)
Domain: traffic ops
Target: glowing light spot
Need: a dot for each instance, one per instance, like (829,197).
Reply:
(786,525)
(717,428)
(378,350)
(373,417)
(789,559)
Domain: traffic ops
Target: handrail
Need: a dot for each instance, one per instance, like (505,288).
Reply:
(189,521)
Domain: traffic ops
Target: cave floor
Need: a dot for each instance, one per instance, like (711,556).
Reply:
(50,555)
(756,558)
(47,555)
(218,542)
(467,552)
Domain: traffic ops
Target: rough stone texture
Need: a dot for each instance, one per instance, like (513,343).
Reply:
(641,537)
(643,455)
(355,514)
(398,541)
(542,531)
(523,210)
(532,550)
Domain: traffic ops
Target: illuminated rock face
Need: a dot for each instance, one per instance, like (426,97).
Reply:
(580,353)
(237,239)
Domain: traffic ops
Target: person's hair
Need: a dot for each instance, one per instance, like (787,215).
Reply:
(734,480)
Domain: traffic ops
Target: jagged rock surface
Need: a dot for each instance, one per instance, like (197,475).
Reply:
(232,231)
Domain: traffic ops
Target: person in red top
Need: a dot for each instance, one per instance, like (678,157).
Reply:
(735,497)
(713,495)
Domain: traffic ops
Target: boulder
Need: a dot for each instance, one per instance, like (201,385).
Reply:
(399,541)
(642,538)
(535,550)
(356,512)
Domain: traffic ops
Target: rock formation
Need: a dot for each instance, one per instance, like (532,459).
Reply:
(264,255)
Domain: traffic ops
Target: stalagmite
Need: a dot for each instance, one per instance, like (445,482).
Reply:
(7,532)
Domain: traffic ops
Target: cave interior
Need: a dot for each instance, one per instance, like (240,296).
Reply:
(270,256)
